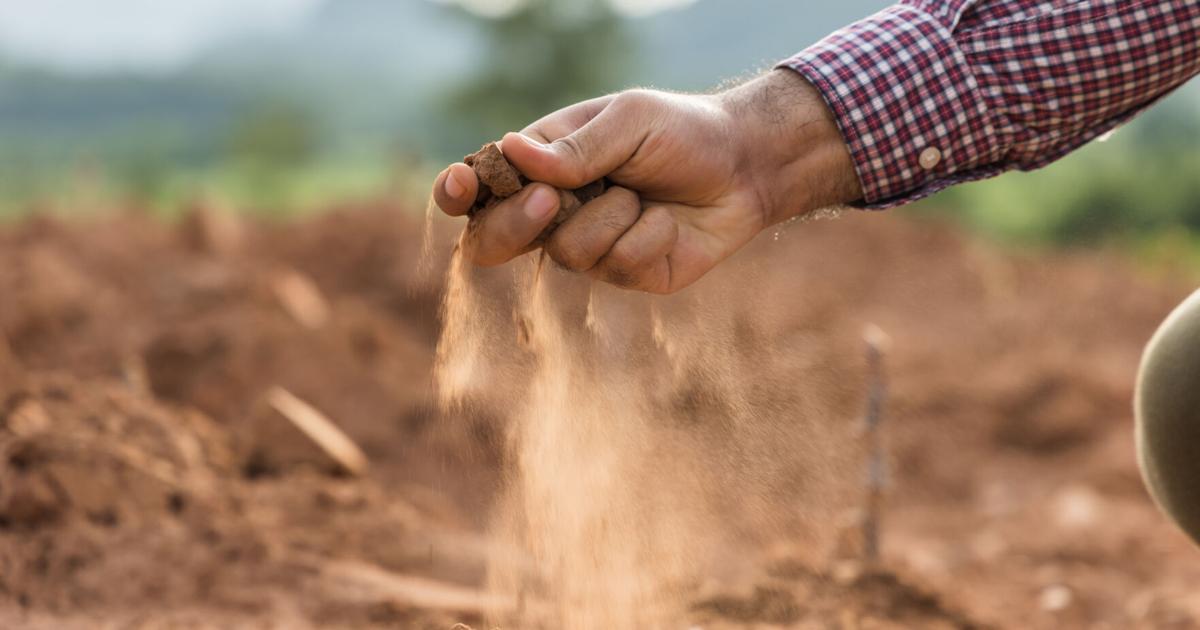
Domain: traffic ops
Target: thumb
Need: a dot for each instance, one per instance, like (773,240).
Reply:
(585,155)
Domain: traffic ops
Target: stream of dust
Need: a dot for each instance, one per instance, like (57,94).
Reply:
(653,447)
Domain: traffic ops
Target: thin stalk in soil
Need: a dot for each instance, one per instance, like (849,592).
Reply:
(876,482)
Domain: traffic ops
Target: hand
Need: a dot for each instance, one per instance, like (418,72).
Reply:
(695,178)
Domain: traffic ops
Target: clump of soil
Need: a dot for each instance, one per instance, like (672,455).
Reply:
(118,506)
(132,366)
(499,180)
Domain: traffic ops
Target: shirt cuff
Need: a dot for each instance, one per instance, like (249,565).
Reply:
(907,103)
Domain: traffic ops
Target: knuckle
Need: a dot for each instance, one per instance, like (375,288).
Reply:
(571,146)
(621,210)
(625,196)
(666,227)
(614,221)
(568,251)
(636,99)
(577,152)
(620,278)
(623,259)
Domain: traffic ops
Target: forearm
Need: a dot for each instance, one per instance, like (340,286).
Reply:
(791,143)
(930,93)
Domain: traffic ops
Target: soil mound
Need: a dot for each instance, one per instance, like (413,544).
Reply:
(135,358)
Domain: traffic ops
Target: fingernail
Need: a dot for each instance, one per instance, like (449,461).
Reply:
(453,187)
(542,201)
(531,142)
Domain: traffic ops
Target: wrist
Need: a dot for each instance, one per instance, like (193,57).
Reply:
(789,146)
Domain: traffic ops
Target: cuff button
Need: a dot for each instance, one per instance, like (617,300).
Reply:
(930,158)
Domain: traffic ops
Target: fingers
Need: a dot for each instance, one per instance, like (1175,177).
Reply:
(569,148)
(639,259)
(508,229)
(598,147)
(567,120)
(582,240)
(455,189)
(610,237)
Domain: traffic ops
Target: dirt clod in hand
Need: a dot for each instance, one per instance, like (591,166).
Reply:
(499,180)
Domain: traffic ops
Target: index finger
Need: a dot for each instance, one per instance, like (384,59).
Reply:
(565,121)
(455,197)
(455,188)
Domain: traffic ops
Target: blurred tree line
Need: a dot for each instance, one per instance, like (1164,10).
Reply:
(1140,184)
(258,140)
(303,129)
(545,55)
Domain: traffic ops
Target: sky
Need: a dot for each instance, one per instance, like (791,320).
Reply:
(147,34)
(150,35)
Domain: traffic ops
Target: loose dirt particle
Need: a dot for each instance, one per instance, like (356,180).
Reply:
(27,418)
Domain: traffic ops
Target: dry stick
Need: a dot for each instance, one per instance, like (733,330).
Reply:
(877,341)
(318,429)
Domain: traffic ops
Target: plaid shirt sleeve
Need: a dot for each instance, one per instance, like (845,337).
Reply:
(932,93)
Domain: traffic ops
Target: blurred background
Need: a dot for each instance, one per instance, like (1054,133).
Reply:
(156,376)
(280,106)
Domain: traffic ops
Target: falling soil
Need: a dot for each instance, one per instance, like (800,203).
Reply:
(134,354)
(643,453)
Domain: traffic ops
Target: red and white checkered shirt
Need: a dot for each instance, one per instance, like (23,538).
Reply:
(931,93)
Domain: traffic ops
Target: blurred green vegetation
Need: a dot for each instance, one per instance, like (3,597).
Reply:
(1139,188)
(350,106)
(542,57)
(277,128)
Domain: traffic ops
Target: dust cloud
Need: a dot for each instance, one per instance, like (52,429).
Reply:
(655,448)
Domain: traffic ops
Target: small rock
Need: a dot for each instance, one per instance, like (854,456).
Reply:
(1055,598)
(847,571)
(29,417)
(1077,507)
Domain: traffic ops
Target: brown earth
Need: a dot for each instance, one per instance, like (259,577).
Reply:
(134,490)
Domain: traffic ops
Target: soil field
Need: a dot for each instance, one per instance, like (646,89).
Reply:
(151,477)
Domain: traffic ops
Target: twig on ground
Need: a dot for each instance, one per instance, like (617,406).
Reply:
(877,343)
